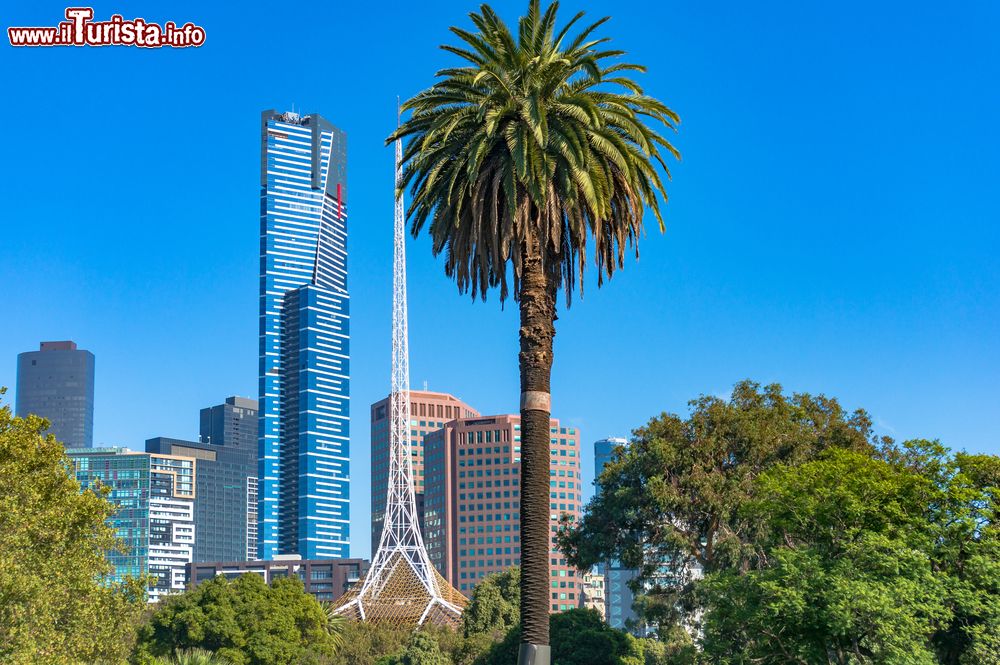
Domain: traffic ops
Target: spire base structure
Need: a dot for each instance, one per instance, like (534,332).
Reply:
(401,587)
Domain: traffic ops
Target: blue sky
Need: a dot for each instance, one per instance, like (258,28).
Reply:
(833,225)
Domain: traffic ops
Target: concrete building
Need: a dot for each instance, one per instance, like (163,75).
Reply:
(304,344)
(592,595)
(57,383)
(472,507)
(327,579)
(429,411)
(155,495)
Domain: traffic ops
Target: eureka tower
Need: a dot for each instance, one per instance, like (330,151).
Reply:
(304,479)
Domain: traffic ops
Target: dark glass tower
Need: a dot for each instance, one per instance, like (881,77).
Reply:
(304,456)
(57,383)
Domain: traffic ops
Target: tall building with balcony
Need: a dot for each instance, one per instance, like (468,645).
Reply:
(155,497)
(472,507)
(57,383)
(304,418)
(429,411)
(619,598)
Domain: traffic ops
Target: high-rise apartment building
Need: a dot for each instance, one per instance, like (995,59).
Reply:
(57,383)
(429,411)
(234,424)
(473,499)
(220,509)
(155,496)
(619,598)
(304,472)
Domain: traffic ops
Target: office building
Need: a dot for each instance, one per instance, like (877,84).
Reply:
(233,424)
(429,411)
(472,506)
(222,489)
(57,383)
(620,599)
(304,427)
(326,579)
(155,497)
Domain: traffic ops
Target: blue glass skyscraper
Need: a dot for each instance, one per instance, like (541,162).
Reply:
(304,473)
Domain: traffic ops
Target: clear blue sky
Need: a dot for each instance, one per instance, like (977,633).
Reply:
(833,226)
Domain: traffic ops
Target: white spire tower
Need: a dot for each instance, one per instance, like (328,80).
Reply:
(401,586)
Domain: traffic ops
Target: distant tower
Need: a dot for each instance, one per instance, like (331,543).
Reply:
(57,383)
(401,587)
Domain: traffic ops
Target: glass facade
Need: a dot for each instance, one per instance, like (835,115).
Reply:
(618,596)
(303,485)
(155,518)
(57,383)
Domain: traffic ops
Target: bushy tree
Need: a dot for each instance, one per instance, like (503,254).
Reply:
(579,637)
(671,501)
(494,607)
(242,620)
(966,547)
(843,574)
(57,602)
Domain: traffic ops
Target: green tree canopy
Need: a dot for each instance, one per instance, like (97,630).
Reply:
(57,602)
(671,500)
(242,620)
(844,572)
(494,606)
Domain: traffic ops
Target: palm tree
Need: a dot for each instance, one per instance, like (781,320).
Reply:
(335,625)
(537,145)
(194,657)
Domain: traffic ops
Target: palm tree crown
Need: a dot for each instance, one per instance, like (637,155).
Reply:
(539,140)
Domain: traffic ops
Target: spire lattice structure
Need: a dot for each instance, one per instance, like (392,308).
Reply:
(402,587)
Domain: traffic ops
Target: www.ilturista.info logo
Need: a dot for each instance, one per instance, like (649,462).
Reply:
(79,29)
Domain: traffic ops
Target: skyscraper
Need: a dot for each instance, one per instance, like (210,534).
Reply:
(304,472)
(155,495)
(429,411)
(619,598)
(472,470)
(57,383)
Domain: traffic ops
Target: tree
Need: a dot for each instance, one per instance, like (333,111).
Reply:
(58,603)
(966,551)
(670,502)
(579,637)
(520,157)
(193,657)
(845,571)
(422,649)
(242,620)
(494,606)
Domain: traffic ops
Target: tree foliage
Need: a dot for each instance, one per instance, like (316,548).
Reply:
(820,543)
(580,637)
(57,602)
(844,572)
(493,607)
(670,502)
(242,620)
(540,140)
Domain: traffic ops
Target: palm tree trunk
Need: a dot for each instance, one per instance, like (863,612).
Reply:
(538,315)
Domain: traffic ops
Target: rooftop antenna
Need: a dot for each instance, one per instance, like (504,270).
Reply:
(401,588)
